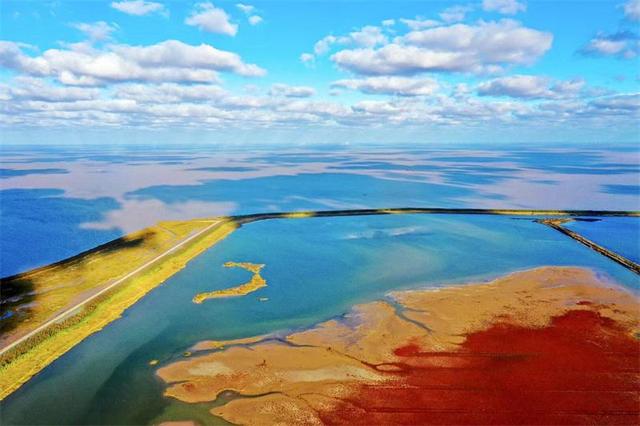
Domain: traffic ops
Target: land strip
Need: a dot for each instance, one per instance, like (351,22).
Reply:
(255,283)
(102,300)
(557,225)
(30,354)
(428,210)
(95,296)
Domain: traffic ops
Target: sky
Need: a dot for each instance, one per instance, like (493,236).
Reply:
(340,72)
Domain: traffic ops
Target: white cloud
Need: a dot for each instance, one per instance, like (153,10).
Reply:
(36,89)
(632,10)
(12,57)
(173,53)
(323,45)
(205,106)
(249,10)
(170,92)
(170,60)
(291,91)
(138,7)
(507,7)
(245,8)
(623,102)
(254,19)
(607,47)
(174,84)
(481,48)
(376,107)
(96,31)
(209,18)
(367,36)
(420,23)
(400,86)
(388,22)
(314,110)
(530,87)
(455,14)
(307,59)
(623,44)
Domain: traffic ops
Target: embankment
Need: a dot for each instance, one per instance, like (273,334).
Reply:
(21,361)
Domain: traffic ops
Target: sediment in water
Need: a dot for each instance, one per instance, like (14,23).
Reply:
(546,346)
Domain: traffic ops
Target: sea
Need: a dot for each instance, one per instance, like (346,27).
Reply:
(59,200)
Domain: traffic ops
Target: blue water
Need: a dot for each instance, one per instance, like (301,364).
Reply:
(41,226)
(315,269)
(52,197)
(619,234)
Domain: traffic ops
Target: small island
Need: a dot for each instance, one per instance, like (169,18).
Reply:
(255,283)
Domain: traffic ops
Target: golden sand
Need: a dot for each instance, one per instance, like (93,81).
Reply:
(316,370)
(219,344)
(255,283)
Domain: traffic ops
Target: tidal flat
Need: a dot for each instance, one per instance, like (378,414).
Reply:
(549,345)
(318,269)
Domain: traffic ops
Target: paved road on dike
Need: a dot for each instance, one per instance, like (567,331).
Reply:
(104,290)
(328,213)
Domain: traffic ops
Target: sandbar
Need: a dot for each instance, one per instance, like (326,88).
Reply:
(255,283)
(551,345)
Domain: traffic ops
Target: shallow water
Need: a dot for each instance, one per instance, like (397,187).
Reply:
(315,269)
(619,234)
(58,201)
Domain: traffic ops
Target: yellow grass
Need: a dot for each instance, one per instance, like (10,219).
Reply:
(256,282)
(299,215)
(55,287)
(29,358)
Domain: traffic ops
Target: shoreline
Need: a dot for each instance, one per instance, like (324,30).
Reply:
(254,284)
(426,362)
(30,356)
(557,225)
(254,217)
(21,361)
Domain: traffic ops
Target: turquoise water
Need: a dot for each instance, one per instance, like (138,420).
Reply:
(619,234)
(315,269)
(56,201)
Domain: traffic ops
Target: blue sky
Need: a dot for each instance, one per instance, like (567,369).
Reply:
(311,71)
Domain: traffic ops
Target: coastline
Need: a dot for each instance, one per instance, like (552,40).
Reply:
(557,225)
(21,363)
(31,356)
(422,358)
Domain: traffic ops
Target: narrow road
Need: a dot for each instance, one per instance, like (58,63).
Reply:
(243,219)
(104,290)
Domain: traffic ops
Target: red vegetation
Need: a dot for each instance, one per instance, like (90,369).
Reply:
(581,369)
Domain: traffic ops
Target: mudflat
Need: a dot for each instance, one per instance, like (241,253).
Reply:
(552,345)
